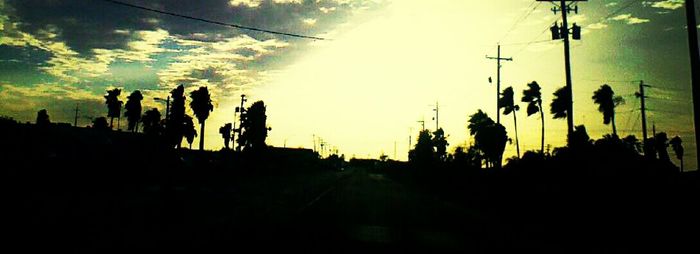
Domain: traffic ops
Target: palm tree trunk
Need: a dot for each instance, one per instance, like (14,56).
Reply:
(681,164)
(541,116)
(613,123)
(517,143)
(201,137)
(111,122)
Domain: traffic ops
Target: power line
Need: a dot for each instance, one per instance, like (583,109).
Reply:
(522,18)
(214,22)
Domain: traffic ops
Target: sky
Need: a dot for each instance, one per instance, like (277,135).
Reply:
(383,66)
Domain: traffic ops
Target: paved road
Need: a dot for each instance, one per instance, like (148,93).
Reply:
(368,211)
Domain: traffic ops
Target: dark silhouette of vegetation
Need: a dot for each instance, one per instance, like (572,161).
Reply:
(42,118)
(677,145)
(254,128)
(100,123)
(201,105)
(558,107)
(114,106)
(225,132)
(632,143)
(508,104)
(132,110)
(607,102)
(661,145)
(175,121)
(422,153)
(489,137)
(440,143)
(190,132)
(151,122)
(533,97)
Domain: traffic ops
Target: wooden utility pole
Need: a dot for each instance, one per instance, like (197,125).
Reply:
(642,98)
(565,9)
(75,121)
(498,59)
(694,65)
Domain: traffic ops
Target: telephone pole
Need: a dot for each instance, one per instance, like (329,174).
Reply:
(498,59)
(422,122)
(563,33)
(642,97)
(694,65)
(437,115)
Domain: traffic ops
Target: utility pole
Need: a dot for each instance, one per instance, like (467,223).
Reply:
(694,65)
(241,110)
(498,59)
(437,115)
(422,122)
(563,33)
(642,98)
(75,121)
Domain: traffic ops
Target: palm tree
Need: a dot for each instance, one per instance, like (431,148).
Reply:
(189,131)
(42,118)
(506,102)
(151,121)
(607,101)
(677,145)
(489,137)
(114,105)
(533,97)
(201,105)
(133,110)
(558,107)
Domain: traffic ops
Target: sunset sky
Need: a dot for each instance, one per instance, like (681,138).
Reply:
(384,65)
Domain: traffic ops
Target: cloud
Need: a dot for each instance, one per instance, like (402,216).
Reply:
(599,25)
(309,21)
(629,19)
(667,4)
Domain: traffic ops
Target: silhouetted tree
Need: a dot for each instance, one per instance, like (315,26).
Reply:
(254,127)
(100,123)
(508,104)
(677,145)
(579,139)
(151,122)
(607,101)
(189,131)
(489,137)
(42,118)
(661,144)
(471,158)
(201,105)
(533,97)
(632,143)
(132,110)
(422,152)
(440,144)
(558,107)
(114,105)
(175,122)
(225,132)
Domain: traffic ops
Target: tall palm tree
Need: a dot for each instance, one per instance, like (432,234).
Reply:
(133,110)
(677,145)
(558,107)
(508,104)
(114,105)
(201,105)
(533,97)
(607,101)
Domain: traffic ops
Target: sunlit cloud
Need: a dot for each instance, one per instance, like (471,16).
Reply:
(667,4)
(629,19)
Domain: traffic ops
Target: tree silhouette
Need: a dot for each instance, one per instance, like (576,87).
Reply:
(201,105)
(175,121)
(579,139)
(489,137)
(533,97)
(132,110)
(42,118)
(422,152)
(189,131)
(558,107)
(440,143)
(661,143)
(100,123)
(225,132)
(254,127)
(151,122)
(508,104)
(632,143)
(114,105)
(677,145)
(607,101)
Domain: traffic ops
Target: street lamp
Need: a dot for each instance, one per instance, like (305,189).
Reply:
(167,107)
